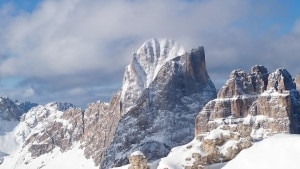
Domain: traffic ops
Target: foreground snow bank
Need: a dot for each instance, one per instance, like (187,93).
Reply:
(73,159)
(276,152)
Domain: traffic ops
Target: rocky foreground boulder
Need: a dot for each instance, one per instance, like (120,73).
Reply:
(137,160)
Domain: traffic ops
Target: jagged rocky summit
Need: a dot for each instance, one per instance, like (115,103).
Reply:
(13,110)
(248,108)
(163,90)
(271,96)
(164,87)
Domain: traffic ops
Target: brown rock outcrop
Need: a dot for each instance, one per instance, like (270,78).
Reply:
(249,107)
(137,160)
(221,145)
(100,124)
(93,127)
(257,93)
(55,130)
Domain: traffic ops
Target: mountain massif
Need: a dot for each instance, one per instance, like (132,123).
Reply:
(167,114)
(164,88)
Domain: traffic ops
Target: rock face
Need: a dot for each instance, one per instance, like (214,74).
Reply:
(51,128)
(252,106)
(163,89)
(100,122)
(271,95)
(221,144)
(62,124)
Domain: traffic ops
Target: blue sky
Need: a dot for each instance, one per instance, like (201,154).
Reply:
(22,5)
(77,50)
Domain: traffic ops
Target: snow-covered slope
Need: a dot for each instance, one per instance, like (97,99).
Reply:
(276,152)
(10,114)
(18,137)
(73,158)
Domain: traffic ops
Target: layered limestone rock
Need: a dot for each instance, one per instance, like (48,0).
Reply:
(220,145)
(163,90)
(61,125)
(249,107)
(100,122)
(270,95)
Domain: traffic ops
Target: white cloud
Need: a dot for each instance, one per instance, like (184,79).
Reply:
(284,51)
(28,92)
(76,91)
(70,36)
(92,40)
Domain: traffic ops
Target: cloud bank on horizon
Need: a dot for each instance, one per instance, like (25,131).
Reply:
(77,50)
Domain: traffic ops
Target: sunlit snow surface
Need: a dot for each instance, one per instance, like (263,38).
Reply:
(73,159)
(14,133)
(276,152)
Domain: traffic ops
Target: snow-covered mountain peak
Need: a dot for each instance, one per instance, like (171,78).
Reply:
(159,47)
(152,55)
(280,80)
(163,90)
(147,62)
